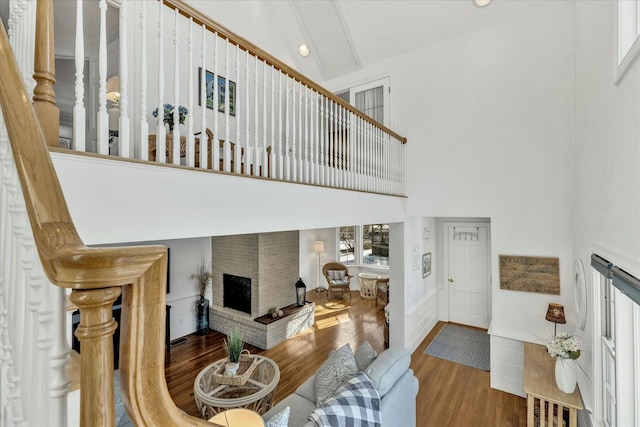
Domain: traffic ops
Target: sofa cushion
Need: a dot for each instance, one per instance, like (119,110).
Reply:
(365,354)
(281,419)
(335,371)
(355,404)
(388,367)
(308,389)
(301,408)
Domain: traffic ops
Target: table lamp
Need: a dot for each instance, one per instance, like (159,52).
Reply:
(318,247)
(555,314)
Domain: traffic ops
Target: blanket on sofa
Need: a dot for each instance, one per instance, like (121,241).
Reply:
(356,403)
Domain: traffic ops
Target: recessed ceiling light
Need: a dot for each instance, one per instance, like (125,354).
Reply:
(303,50)
(481,3)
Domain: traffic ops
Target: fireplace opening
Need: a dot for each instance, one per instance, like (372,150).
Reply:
(236,293)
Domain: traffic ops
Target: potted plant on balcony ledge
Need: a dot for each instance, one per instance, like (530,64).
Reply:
(203,276)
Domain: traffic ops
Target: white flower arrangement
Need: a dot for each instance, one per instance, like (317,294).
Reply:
(564,345)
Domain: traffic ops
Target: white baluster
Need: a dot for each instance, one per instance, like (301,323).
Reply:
(227,108)
(263,150)
(312,138)
(204,146)
(103,117)
(144,125)
(294,138)
(287,161)
(271,154)
(190,148)
(58,384)
(280,133)
(306,135)
(176,90)
(247,118)
(79,112)
(161,133)
(237,154)
(123,133)
(299,143)
(253,160)
(216,136)
(322,130)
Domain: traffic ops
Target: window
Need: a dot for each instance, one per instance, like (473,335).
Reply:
(364,245)
(375,244)
(372,99)
(347,242)
(608,341)
(628,30)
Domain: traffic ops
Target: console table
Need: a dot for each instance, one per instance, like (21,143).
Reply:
(546,404)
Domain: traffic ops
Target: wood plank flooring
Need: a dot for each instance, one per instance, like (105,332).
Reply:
(450,394)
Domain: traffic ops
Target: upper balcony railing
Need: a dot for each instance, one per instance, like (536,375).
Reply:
(258,116)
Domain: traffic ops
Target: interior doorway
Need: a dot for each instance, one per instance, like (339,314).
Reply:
(467,272)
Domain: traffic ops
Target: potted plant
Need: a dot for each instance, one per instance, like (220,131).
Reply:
(168,115)
(233,345)
(203,276)
(564,347)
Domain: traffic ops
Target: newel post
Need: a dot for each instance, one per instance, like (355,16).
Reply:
(44,98)
(95,333)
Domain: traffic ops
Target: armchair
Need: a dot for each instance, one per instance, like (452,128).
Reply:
(338,278)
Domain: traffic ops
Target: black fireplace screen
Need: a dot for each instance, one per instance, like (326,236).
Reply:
(237,292)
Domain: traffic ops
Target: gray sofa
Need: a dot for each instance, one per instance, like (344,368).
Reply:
(393,379)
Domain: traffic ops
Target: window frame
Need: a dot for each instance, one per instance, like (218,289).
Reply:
(626,27)
(358,247)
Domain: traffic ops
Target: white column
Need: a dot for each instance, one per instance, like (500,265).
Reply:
(79,113)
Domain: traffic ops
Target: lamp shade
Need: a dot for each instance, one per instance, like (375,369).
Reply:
(555,313)
(318,246)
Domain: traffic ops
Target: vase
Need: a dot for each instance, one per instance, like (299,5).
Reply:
(202,313)
(231,368)
(566,375)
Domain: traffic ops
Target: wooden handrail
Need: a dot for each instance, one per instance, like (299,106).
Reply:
(96,275)
(201,19)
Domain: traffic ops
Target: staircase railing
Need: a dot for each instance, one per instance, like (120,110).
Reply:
(96,276)
(267,120)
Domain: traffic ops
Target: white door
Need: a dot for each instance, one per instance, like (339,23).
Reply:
(371,98)
(467,276)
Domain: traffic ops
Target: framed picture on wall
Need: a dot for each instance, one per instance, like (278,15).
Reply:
(426,264)
(210,81)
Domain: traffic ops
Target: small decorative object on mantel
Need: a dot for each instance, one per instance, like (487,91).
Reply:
(564,347)
(275,312)
(168,115)
(301,292)
(203,276)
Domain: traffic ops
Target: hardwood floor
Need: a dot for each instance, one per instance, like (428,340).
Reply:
(450,394)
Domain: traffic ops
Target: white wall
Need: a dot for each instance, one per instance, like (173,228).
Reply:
(607,178)
(309,259)
(489,118)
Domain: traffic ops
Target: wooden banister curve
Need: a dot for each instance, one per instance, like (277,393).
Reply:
(97,276)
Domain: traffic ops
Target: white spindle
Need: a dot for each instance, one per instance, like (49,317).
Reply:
(123,133)
(271,154)
(79,113)
(103,117)
(253,160)
(294,137)
(190,148)
(176,90)
(237,160)
(144,125)
(280,133)
(216,136)
(287,161)
(204,146)
(227,110)
(312,138)
(322,135)
(263,150)
(247,117)
(299,142)
(161,133)
(306,134)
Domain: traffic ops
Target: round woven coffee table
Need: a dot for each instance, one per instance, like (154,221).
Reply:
(256,394)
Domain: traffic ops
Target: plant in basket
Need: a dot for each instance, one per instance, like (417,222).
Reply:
(233,345)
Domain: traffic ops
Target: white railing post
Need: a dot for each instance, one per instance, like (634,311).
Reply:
(161,132)
(216,136)
(123,132)
(144,125)
(103,117)
(176,91)
(204,145)
(227,109)
(79,112)
(190,148)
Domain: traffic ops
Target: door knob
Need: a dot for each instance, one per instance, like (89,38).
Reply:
(451,280)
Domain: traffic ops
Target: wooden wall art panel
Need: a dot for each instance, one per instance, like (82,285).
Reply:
(530,274)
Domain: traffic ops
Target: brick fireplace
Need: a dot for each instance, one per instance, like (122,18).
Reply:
(269,262)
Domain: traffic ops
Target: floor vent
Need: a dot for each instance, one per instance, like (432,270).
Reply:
(178,341)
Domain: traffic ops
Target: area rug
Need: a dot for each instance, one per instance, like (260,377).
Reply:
(461,345)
